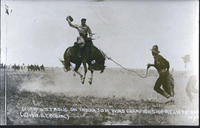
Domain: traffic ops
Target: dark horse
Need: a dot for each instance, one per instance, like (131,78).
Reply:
(91,55)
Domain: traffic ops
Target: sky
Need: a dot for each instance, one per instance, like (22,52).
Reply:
(36,32)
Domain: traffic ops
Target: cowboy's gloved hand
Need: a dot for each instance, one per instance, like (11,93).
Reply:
(67,19)
(90,35)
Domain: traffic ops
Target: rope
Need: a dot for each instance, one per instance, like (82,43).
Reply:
(128,69)
(109,58)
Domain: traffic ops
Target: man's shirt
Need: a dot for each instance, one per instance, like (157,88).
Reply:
(161,64)
(83,30)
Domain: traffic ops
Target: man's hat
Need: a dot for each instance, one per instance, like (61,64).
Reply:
(70,18)
(155,49)
(186,58)
(83,19)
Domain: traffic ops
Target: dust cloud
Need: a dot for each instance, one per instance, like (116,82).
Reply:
(113,82)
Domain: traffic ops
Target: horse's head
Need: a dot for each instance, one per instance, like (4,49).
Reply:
(66,66)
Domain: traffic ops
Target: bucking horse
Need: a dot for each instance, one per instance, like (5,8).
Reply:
(91,55)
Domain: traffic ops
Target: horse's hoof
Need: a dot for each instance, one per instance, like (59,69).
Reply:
(170,102)
(90,82)
(65,70)
(101,71)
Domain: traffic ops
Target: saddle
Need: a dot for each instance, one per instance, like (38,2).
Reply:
(82,45)
(80,41)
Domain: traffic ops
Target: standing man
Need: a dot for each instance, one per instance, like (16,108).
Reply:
(162,66)
(84,30)
(191,87)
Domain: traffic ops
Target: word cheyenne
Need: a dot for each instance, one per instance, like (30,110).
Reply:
(44,115)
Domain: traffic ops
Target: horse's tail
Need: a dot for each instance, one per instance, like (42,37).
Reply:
(100,52)
(104,58)
(99,57)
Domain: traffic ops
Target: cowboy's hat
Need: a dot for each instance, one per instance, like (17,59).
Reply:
(155,49)
(70,18)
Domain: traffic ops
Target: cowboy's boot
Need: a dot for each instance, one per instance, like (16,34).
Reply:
(78,51)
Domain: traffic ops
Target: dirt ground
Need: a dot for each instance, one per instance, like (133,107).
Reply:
(116,97)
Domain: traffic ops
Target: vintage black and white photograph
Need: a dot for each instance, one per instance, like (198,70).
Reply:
(99,62)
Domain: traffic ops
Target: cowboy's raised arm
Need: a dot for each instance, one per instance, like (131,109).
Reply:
(149,65)
(70,24)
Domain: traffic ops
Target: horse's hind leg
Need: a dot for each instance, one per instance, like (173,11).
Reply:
(91,78)
(85,71)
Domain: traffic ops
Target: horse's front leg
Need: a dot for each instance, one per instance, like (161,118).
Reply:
(91,78)
(85,71)
(76,70)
